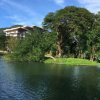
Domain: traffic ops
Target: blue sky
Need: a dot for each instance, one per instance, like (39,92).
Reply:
(32,12)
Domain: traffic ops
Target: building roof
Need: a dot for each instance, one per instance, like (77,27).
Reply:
(25,28)
(17,28)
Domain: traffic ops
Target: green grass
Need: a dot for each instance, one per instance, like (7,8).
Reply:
(6,58)
(71,61)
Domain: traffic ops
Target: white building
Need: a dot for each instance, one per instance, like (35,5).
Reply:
(17,32)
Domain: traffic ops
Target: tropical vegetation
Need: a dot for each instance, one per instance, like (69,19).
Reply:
(2,39)
(71,32)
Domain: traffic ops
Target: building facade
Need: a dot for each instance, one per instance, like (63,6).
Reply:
(17,32)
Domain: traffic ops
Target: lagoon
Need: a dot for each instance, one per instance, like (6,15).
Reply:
(38,81)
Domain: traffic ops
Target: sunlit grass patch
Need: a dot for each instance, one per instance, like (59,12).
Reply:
(71,61)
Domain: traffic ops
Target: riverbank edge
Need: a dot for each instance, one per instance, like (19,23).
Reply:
(66,61)
(72,61)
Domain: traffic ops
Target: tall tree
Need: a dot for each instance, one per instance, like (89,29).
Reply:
(71,25)
(94,38)
(34,46)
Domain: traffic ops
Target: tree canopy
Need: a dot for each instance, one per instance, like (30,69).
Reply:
(68,32)
(72,25)
(34,46)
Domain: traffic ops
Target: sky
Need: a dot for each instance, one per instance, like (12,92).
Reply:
(32,12)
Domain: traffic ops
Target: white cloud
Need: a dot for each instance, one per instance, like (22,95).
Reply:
(24,20)
(22,8)
(59,2)
(92,5)
(21,14)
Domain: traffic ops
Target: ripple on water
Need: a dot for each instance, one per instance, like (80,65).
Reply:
(20,81)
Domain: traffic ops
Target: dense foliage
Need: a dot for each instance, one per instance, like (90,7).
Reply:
(2,39)
(77,31)
(33,46)
(68,32)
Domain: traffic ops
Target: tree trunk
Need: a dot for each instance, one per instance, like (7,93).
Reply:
(59,44)
(92,55)
(80,54)
(59,49)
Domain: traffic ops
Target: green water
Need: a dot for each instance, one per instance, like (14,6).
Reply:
(37,81)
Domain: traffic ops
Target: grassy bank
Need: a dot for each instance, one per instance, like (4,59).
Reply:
(6,58)
(67,61)
(71,61)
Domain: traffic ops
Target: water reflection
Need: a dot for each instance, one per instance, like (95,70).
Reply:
(37,81)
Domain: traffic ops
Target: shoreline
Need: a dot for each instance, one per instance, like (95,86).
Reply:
(61,61)
(72,62)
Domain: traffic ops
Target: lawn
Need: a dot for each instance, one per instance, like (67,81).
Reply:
(71,61)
